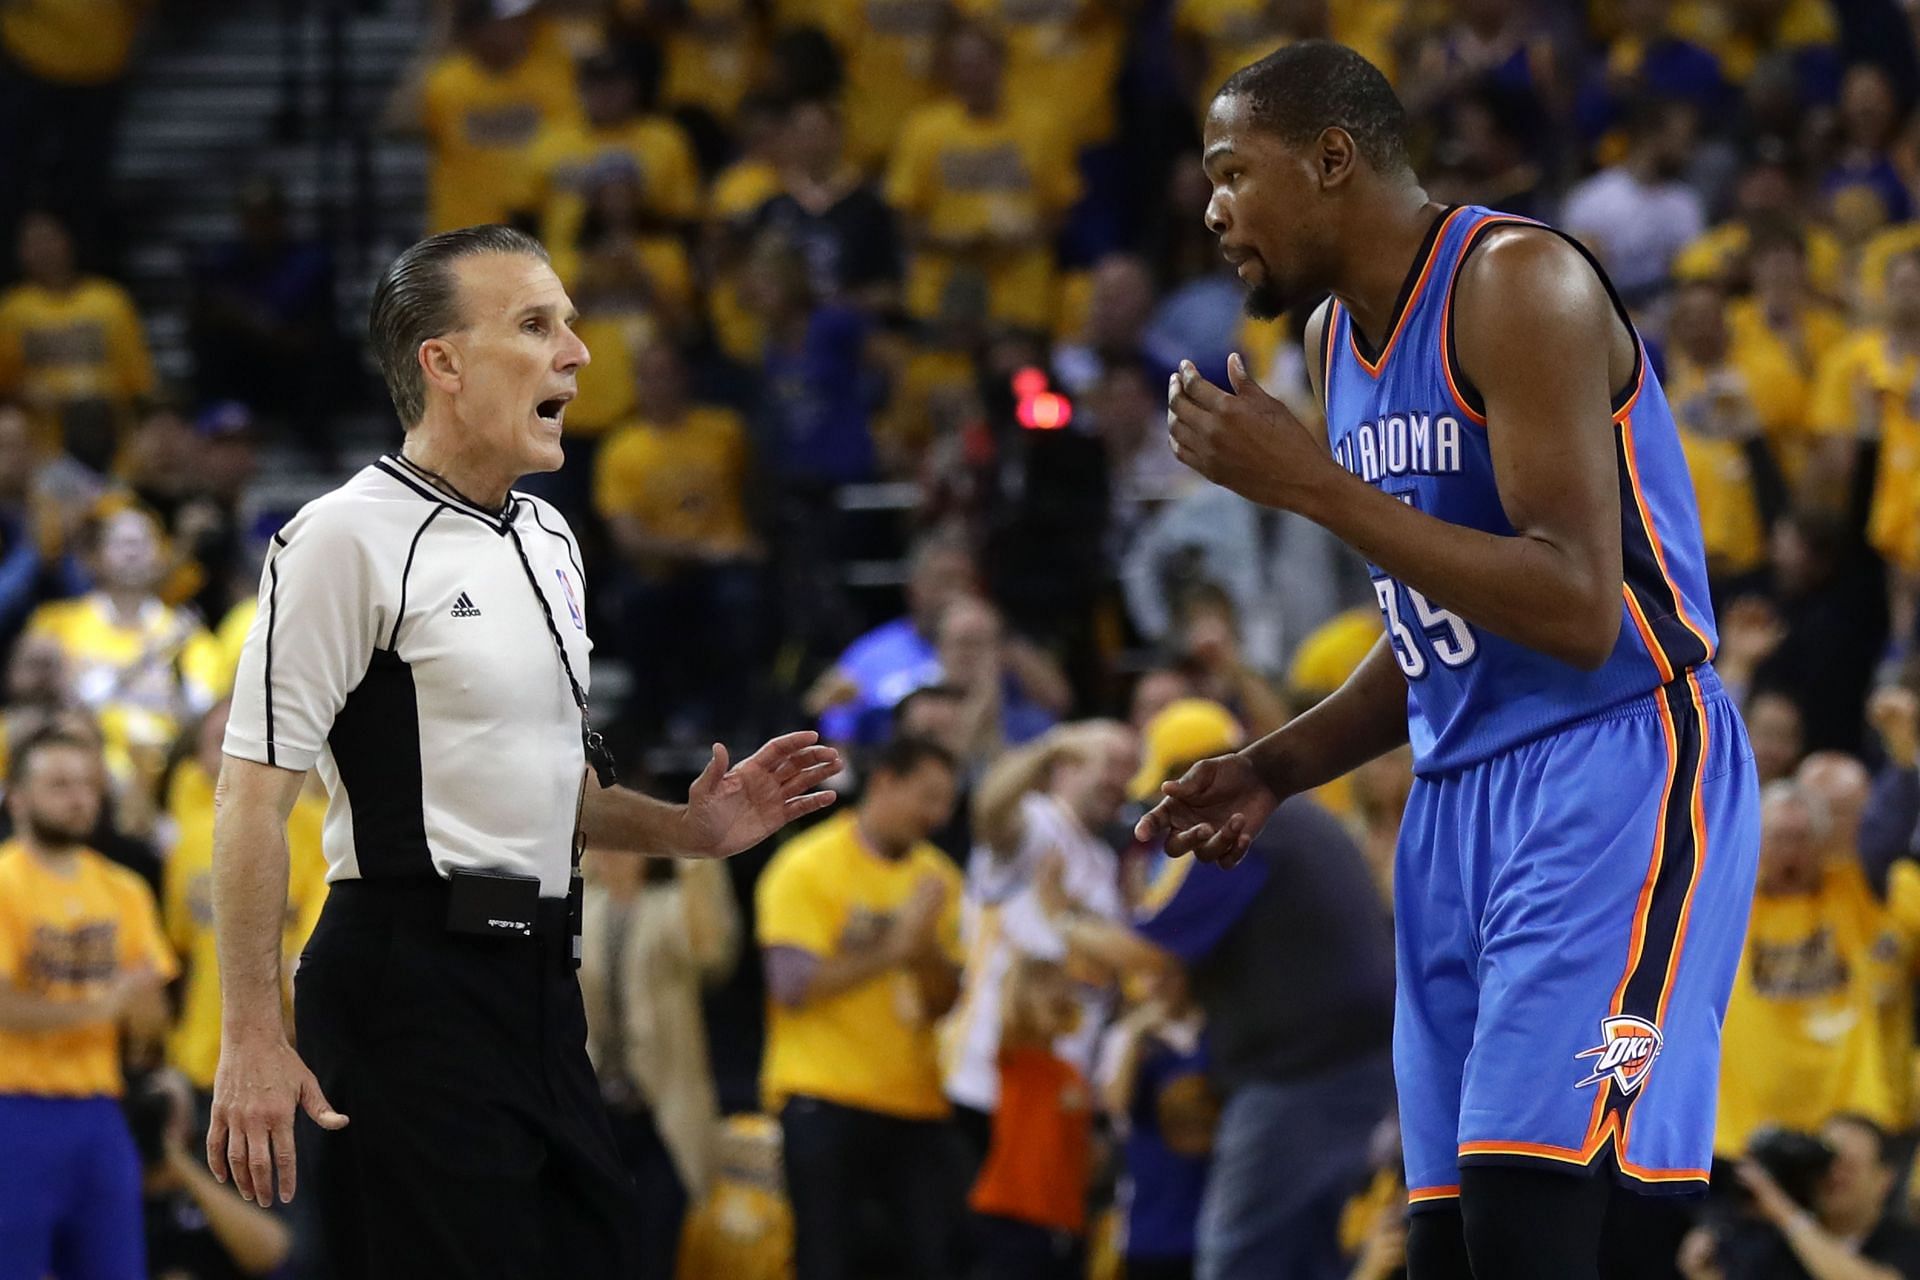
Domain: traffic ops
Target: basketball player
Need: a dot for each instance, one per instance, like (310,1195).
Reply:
(1578,854)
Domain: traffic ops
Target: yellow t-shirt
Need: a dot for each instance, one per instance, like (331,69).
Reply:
(231,635)
(1718,250)
(1723,479)
(64,938)
(143,680)
(1864,384)
(76,42)
(1870,275)
(63,349)
(187,909)
(741,188)
(964,176)
(1781,369)
(569,157)
(482,127)
(869,1047)
(890,49)
(713,51)
(1821,1016)
(1063,61)
(679,482)
(604,388)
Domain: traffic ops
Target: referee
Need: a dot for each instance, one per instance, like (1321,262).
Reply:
(421,640)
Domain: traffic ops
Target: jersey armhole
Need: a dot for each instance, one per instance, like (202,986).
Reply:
(1464,392)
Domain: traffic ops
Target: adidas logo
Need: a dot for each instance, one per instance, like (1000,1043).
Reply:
(464,607)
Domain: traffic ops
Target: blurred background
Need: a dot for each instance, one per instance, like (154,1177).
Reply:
(881,296)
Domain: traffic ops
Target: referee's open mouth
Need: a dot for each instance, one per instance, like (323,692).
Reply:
(553,410)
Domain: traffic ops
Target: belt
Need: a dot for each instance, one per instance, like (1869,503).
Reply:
(422,904)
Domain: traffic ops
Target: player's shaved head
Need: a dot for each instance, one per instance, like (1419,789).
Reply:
(1304,89)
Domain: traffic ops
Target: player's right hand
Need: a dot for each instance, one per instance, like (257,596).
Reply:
(255,1091)
(1212,812)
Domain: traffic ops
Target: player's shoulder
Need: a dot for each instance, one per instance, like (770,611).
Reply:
(1529,273)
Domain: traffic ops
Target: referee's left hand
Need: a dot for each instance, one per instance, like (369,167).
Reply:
(730,809)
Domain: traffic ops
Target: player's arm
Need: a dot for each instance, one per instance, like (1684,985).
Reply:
(1533,328)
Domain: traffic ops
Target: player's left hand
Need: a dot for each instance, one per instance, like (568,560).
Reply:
(1244,439)
(730,809)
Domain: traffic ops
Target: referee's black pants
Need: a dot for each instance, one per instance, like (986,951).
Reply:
(477,1144)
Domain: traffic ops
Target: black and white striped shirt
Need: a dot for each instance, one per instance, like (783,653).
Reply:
(400,646)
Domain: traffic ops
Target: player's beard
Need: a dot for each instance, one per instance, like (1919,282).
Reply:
(1265,301)
(52,833)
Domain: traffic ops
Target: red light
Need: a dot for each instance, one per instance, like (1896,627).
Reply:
(1029,382)
(1045,412)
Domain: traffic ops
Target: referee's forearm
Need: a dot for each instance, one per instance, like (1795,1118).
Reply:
(625,821)
(250,895)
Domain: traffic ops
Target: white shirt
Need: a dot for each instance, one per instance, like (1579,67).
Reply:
(1001,918)
(1635,228)
(401,648)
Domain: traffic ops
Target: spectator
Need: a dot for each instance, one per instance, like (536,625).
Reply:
(83,966)
(1766,200)
(614,135)
(1836,626)
(858,923)
(1292,968)
(1866,396)
(1890,828)
(980,190)
(672,490)
(484,105)
(826,209)
(21,558)
(263,322)
(144,667)
(994,676)
(1113,334)
(1726,403)
(886,663)
(1145,475)
(1209,646)
(753,178)
(654,933)
(1645,59)
(1861,186)
(63,66)
(1496,42)
(1810,1029)
(1155,691)
(817,391)
(186,900)
(937,714)
(713,51)
(1030,1200)
(1779,739)
(1846,1232)
(1380,789)
(209,528)
(1046,803)
(1637,215)
(1165,1114)
(195,1227)
(1784,325)
(71,347)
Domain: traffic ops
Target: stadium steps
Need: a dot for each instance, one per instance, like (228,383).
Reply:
(246,91)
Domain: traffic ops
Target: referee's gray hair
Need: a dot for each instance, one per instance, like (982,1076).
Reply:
(418,299)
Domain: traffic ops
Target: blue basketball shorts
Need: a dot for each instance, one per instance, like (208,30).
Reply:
(69,1191)
(1569,916)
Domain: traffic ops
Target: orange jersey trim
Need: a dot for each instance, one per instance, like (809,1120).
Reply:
(1373,367)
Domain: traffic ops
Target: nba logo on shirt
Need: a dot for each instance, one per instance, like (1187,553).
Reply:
(573,602)
(1627,1048)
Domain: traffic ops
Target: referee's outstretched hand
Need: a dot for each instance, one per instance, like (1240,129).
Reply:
(256,1089)
(730,809)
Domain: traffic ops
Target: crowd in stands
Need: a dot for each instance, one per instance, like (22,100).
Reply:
(880,295)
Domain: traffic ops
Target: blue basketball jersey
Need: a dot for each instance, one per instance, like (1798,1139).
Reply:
(1405,420)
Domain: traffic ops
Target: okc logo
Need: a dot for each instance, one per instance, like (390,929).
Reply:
(1627,1048)
(573,604)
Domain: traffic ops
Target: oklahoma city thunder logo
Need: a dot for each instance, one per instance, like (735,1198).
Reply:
(573,602)
(1627,1048)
